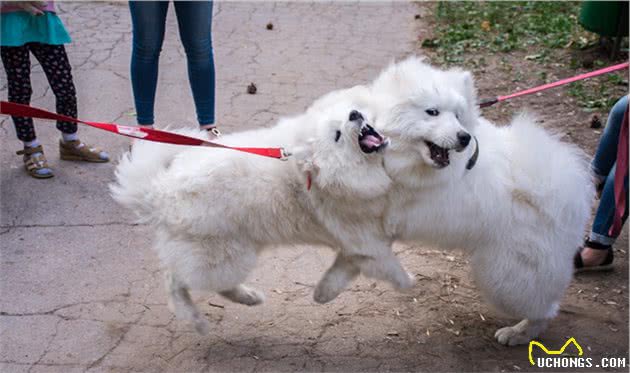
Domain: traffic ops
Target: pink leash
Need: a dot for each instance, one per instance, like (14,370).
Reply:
(606,70)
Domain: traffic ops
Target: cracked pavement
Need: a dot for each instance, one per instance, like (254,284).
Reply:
(82,291)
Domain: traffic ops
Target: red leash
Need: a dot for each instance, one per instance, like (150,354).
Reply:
(606,70)
(19,110)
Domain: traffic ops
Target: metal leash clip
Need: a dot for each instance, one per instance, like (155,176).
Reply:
(285,154)
(215,131)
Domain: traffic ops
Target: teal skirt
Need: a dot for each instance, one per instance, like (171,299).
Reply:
(19,28)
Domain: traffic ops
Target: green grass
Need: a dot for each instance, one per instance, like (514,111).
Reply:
(471,27)
(596,97)
(537,31)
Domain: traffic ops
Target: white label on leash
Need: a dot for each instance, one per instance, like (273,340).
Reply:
(131,131)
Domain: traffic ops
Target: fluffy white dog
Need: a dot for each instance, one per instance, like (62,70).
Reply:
(516,197)
(213,210)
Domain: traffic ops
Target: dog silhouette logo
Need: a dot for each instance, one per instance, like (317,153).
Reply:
(553,352)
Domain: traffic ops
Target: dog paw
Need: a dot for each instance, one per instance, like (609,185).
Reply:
(244,295)
(252,297)
(511,336)
(405,282)
(324,293)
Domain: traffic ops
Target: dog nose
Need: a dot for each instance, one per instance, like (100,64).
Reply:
(464,138)
(355,115)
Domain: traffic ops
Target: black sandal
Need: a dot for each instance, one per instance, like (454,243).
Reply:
(606,265)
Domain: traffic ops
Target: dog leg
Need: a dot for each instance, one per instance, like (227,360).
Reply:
(527,287)
(244,295)
(335,280)
(182,305)
(521,333)
(386,268)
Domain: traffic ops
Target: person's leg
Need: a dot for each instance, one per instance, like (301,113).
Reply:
(606,153)
(601,224)
(56,66)
(17,66)
(194,19)
(54,62)
(148,19)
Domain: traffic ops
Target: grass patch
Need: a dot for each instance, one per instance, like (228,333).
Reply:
(533,26)
(519,36)
(593,97)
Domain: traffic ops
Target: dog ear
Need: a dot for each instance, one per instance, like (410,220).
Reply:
(465,83)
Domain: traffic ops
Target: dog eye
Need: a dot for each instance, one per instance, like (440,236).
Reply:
(432,112)
(337,135)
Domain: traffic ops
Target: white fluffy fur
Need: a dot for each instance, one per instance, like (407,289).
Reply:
(213,210)
(520,212)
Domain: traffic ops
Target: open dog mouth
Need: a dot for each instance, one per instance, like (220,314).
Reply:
(439,155)
(369,140)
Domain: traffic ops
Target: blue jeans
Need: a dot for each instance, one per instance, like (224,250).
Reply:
(194,19)
(603,166)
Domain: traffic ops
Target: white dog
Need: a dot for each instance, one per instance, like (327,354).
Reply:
(213,210)
(516,197)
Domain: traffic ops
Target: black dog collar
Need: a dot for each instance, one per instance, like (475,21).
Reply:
(473,160)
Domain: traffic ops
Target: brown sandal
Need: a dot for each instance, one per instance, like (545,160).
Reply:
(75,150)
(34,164)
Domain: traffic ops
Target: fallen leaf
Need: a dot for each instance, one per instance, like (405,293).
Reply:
(456,332)
(613,328)
(533,56)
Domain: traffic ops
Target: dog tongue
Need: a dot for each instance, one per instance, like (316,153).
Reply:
(371,141)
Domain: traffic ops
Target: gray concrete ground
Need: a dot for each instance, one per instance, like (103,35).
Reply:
(82,291)
(79,281)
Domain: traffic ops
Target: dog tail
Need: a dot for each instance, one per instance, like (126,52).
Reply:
(137,170)
(557,172)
